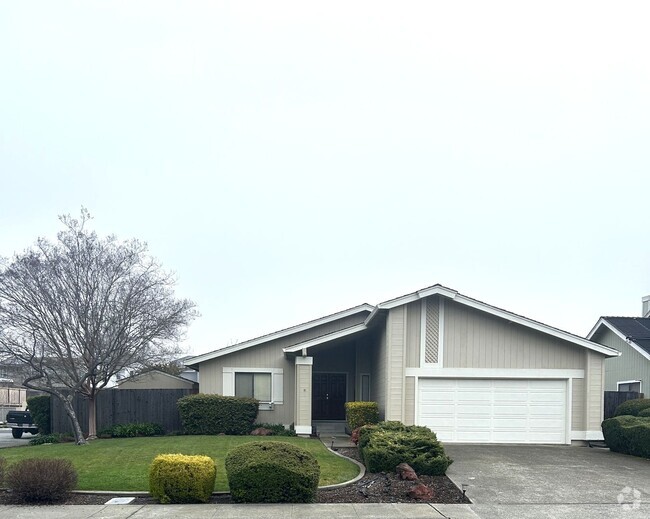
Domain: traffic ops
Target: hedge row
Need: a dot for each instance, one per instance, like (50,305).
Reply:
(387,444)
(216,414)
(633,407)
(628,434)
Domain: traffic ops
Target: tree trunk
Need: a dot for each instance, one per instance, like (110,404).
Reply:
(92,417)
(78,434)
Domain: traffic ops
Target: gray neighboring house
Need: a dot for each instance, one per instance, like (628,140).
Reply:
(631,336)
(156,379)
(470,371)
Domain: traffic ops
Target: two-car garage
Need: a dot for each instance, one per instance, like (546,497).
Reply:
(494,410)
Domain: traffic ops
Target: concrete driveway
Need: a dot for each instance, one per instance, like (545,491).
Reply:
(6,440)
(551,482)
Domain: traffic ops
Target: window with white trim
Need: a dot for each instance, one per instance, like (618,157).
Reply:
(630,385)
(253,385)
(263,384)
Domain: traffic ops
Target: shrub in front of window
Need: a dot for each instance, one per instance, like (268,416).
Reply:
(216,414)
(386,445)
(632,407)
(628,434)
(176,478)
(39,408)
(41,480)
(272,472)
(358,414)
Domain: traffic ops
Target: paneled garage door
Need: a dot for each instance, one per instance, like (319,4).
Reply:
(494,410)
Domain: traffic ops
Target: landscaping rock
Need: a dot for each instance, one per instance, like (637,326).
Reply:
(421,492)
(405,471)
(261,431)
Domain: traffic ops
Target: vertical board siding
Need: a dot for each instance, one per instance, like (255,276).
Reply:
(578,405)
(117,406)
(432,330)
(631,365)
(595,393)
(396,360)
(409,401)
(413,330)
(474,339)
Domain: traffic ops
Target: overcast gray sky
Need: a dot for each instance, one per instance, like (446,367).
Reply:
(288,160)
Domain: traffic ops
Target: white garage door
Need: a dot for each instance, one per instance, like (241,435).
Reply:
(494,410)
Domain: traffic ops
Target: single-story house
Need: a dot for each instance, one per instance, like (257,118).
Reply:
(470,371)
(155,379)
(631,336)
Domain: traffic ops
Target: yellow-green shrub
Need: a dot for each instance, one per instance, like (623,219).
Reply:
(358,414)
(176,478)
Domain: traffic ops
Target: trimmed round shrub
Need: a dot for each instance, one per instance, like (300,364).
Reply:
(628,434)
(176,478)
(644,413)
(632,407)
(41,479)
(132,430)
(272,472)
(358,414)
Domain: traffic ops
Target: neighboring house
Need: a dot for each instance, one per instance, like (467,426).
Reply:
(468,370)
(631,336)
(155,379)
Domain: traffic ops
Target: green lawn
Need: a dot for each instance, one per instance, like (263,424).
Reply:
(123,464)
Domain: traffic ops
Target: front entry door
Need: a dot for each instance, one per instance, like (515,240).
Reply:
(328,396)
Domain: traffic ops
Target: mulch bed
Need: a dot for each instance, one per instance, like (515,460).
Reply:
(381,487)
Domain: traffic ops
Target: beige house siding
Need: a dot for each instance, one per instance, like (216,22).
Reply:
(578,405)
(409,401)
(396,332)
(594,383)
(155,381)
(264,356)
(474,339)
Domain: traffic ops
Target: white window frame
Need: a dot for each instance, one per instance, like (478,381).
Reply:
(618,384)
(277,376)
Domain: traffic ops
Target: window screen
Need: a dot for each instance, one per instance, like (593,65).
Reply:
(253,385)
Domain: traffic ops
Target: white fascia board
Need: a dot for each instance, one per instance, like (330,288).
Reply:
(525,373)
(325,338)
(276,335)
(603,322)
(544,328)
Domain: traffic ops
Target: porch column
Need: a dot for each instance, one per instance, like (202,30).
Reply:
(302,422)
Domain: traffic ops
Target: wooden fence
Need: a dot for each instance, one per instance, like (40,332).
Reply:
(615,398)
(115,406)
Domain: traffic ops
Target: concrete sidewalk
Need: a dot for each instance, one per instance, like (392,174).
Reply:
(326,511)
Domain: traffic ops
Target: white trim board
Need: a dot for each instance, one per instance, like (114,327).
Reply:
(494,373)
(587,435)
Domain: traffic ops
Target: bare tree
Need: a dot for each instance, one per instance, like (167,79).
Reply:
(78,310)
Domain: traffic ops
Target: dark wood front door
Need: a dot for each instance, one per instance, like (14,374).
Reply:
(328,396)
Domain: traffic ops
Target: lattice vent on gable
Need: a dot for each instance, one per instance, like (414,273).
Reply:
(433,323)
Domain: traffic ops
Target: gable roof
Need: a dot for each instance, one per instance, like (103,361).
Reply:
(633,330)
(393,303)
(276,335)
(151,372)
